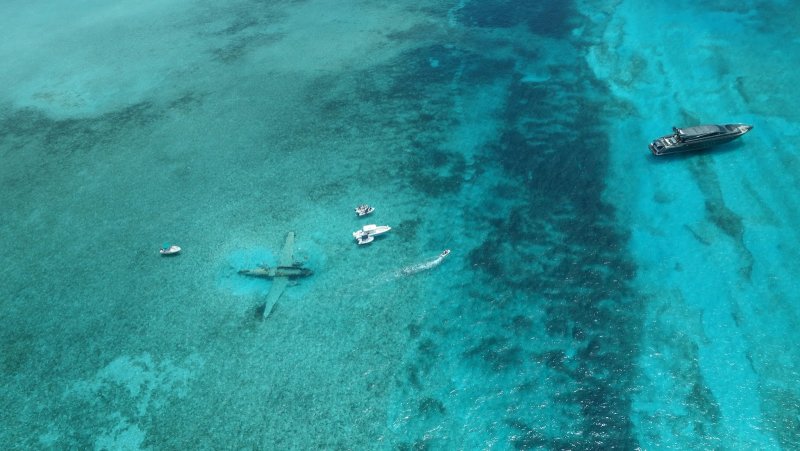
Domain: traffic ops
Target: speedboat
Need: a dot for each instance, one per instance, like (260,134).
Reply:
(367,233)
(169,249)
(364,239)
(697,138)
(371,229)
(444,253)
(364,209)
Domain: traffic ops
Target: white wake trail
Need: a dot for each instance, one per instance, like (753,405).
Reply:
(424,266)
(386,277)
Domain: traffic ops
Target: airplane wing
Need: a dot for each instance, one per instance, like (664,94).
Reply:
(279,283)
(287,251)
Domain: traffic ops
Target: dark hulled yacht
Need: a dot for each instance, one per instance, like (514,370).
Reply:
(697,138)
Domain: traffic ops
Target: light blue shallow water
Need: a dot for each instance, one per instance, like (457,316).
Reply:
(596,297)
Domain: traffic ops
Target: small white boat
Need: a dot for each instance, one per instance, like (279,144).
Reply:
(365,239)
(364,209)
(367,233)
(444,253)
(169,250)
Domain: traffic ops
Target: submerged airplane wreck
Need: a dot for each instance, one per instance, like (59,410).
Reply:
(286,270)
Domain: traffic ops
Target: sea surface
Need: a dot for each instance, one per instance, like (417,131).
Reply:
(596,297)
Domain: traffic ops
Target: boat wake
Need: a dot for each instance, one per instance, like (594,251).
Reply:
(424,266)
(392,276)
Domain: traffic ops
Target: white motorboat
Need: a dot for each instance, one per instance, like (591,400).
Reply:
(367,233)
(371,229)
(365,239)
(364,209)
(444,253)
(169,249)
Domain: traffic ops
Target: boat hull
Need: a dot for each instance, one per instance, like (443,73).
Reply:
(363,210)
(371,229)
(172,250)
(365,239)
(693,138)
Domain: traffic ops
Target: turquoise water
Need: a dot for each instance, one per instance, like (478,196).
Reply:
(595,298)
